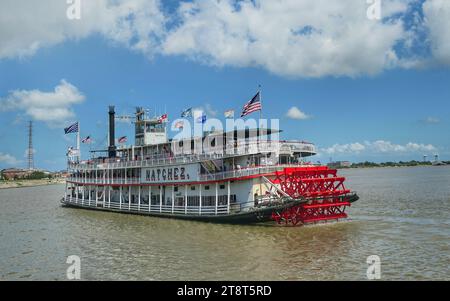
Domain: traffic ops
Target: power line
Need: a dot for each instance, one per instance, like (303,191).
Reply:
(30,146)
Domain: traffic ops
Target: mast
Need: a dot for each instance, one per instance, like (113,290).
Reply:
(78,142)
(260,100)
(30,146)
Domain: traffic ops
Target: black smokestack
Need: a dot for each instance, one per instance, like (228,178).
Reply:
(112,145)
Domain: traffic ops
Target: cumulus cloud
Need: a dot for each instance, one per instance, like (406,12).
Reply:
(295,113)
(8,159)
(379,146)
(437,20)
(345,148)
(292,38)
(27,26)
(288,37)
(50,107)
(210,110)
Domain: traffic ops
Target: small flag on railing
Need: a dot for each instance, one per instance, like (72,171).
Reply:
(229,114)
(162,118)
(72,128)
(122,139)
(87,140)
(186,113)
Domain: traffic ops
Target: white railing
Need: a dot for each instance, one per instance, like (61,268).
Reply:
(249,148)
(144,208)
(239,173)
(105,181)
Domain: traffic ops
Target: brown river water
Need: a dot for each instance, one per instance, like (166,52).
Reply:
(403,216)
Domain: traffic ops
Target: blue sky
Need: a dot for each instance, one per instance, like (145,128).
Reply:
(357,110)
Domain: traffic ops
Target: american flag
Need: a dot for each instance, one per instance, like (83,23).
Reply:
(252,106)
(87,140)
(122,139)
(72,128)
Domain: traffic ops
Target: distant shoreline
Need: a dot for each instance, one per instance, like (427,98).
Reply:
(395,166)
(30,183)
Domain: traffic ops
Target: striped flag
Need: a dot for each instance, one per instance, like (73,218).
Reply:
(72,128)
(87,140)
(122,139)
(162,118)
(252,106)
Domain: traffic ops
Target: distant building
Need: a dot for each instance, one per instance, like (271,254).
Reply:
(340,164)
(60,174)
(15,173)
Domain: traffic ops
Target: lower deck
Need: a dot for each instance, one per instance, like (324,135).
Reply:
(190,199)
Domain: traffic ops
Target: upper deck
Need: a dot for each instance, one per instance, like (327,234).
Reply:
(177,156)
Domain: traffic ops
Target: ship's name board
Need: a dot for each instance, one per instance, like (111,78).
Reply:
(170,174)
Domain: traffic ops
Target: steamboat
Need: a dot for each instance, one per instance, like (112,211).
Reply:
(241,176)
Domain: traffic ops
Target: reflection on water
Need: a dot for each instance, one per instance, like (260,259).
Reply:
(403,216)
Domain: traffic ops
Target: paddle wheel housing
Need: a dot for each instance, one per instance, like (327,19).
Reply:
(325,195)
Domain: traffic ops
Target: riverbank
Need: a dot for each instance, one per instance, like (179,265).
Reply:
(30,183)
(392,164)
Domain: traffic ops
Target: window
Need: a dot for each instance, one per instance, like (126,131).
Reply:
(192,187)
(175,189)
(207,187)
(222,186)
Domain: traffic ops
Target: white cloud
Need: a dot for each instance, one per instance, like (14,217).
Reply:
(289,37)
(379,146)
(8,159)
(26,26)
(207,110)
(293,38)
(437,20)
(344,148)
(431,120)
(210,110)
(50,107)
(295,113)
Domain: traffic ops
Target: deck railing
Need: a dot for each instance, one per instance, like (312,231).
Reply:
(144,207)
(207,154)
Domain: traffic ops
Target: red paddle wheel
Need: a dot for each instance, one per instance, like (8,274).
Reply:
(325,195)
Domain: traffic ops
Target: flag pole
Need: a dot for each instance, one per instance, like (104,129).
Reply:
(78,142)
(260,100)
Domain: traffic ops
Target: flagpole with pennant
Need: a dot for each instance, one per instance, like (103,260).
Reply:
(78,142)
(74,128)
(187,113)
(260,100)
